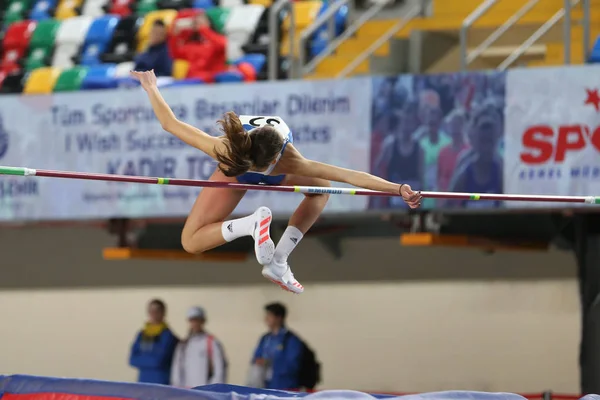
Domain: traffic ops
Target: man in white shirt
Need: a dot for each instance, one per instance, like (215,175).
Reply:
(199,359)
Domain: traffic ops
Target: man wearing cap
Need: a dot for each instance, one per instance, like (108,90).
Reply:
(199,359)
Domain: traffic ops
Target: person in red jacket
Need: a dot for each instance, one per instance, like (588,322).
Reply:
(202,47)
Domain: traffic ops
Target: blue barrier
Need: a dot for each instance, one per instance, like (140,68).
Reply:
(24,387)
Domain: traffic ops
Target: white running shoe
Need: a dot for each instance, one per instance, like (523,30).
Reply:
(264,248)
(281,274)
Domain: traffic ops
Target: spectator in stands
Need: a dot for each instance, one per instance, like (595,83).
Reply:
(202,47)
(153,348)
(156,57)
(199,359)
(279,351)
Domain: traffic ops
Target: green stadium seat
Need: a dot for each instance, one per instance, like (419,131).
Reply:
(143,7)
(71,79)
(218,17)
(17,10)
(42,44)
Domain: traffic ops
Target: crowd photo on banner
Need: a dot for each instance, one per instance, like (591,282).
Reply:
(439,133)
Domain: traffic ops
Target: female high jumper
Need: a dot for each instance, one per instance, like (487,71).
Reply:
(257,150)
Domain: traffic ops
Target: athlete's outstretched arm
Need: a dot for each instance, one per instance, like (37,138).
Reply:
(169,122)
(296,164)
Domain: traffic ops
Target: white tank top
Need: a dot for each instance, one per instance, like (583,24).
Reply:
(251,122)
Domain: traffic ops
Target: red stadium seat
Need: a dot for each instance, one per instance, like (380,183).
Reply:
(15,44)
(121,7)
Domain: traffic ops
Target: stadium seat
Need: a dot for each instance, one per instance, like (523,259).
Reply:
(98,39)
(239,27)
(174,4)
(318,43)
(341,16)
(124,69)
(143,7)
(13,83)
(42,44)
(231,3)
(185,82)
(595,53)
(259,41)
(123,43)
(257,61)
(68,9)
(229,77)
(15,43)
(203,4)
(218,18)
(121,7)
(94,8)
(167,16)
(70,80)
(41,80)
(42,10)
(305,13)
(180,69)
(70,37)
(264,3)
(100,77)
(16,10)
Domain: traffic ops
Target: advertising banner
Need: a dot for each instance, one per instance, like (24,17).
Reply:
(116,132)
(553,132)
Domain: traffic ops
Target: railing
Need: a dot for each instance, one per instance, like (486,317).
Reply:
(413,12)
(335,42)
(464,29)
(563,12)
(275,11)
(471,56)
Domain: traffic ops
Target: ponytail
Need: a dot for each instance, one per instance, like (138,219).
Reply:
(235,160)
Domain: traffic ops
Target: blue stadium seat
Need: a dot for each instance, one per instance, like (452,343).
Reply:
(100,77)
(595,53)
(97,39)
(341,17)
(256,60)
(318,44)
(229,77)
(203,4)
(43,9)
(185,82)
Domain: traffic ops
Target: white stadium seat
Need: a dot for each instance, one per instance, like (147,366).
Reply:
(69,39)
(239,27)
(123,69)
(93,8)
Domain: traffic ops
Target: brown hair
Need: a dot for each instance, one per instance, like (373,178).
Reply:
(243,150)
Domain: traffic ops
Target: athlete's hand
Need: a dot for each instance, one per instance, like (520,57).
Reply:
(413,199)
(146,78)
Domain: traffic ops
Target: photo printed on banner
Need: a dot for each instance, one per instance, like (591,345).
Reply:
(439,133)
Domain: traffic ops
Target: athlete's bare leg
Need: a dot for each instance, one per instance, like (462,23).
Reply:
(312,206)
(303,218)
(202,230)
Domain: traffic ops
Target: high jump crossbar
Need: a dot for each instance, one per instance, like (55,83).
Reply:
(18,171)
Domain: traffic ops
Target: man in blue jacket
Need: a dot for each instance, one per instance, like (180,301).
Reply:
(156,57)
(279,351)
(152,351)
